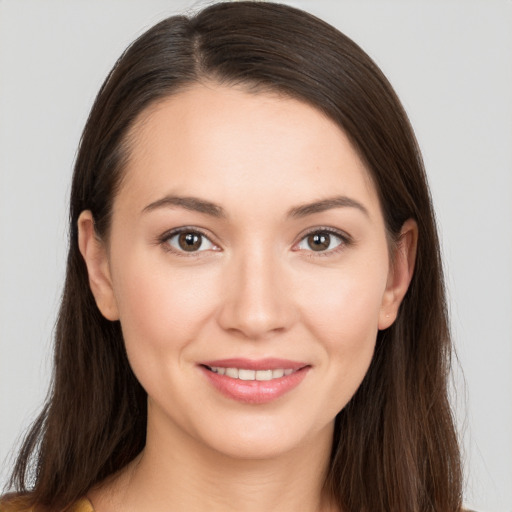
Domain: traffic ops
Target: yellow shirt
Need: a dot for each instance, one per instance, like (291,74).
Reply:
(15,505)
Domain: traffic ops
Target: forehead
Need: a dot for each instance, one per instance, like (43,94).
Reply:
(223,142)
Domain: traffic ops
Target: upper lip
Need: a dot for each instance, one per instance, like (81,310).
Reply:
(268,363)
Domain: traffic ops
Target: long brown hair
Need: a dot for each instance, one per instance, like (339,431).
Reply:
(395,446)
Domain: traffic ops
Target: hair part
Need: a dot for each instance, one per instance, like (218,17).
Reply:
(395,446)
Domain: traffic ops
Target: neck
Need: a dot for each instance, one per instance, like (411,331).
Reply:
(176,472)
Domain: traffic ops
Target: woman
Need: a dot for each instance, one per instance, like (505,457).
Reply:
(254,314)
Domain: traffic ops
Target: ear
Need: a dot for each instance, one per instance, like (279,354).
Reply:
(400,273)
(94,252)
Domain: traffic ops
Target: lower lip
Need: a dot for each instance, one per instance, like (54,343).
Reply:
(255,391)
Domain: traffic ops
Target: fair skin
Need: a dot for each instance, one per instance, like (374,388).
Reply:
(256,277)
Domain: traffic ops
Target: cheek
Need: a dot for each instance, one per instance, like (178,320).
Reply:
(343,306)
(342,314)
(161,309)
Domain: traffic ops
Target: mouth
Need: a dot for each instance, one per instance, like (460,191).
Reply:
(249,375)
(254,382)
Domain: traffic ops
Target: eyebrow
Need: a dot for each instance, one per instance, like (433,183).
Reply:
(189,203)
(214,210)
(326,204)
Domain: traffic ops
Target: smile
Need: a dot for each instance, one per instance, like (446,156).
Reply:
(254,381)
(247,374)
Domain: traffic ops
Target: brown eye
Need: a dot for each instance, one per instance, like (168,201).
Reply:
(320,241)
(189,241)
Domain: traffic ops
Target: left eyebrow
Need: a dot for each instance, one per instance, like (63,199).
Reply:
(188,203)
(326,204)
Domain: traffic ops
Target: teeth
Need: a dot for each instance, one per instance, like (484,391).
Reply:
(232,372)
(264,375)
(244,374)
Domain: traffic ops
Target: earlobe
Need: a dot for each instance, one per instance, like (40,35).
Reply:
(95,256)
(400,274)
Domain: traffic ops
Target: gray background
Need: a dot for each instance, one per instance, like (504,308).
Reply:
(451,64)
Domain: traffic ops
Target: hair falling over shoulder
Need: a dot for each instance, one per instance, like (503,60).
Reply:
(395,447)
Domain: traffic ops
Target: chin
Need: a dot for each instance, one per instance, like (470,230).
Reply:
(266,441)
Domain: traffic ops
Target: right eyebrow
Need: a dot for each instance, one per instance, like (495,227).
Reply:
(189,203)
(327,204)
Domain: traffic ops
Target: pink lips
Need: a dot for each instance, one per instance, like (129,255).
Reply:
(255,391)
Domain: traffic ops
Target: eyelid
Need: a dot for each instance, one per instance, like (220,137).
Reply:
(165,237)
(346,240)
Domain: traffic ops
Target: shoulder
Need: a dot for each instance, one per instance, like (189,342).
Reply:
(16,503)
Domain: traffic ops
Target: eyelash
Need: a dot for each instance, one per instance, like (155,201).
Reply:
(345,240)
(164,240)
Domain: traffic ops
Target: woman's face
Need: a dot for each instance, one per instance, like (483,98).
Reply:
(248,265)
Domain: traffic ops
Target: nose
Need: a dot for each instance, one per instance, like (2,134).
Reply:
(257,301)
